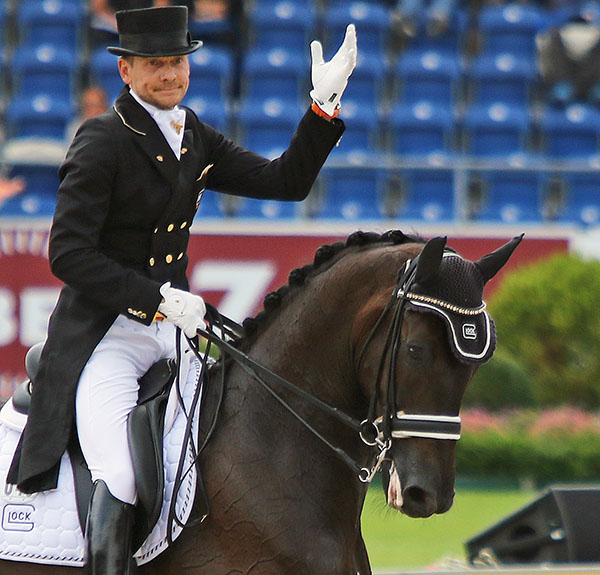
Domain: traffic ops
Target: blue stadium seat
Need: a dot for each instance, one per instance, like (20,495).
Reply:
(429,75)
(4,24)
(371,20)
(501,77)
(40,116)
(511,196)
(362,130)
(570,132)
(368,78)
(266,209)
(496,130)
(353,187)
(26,205)
(211,70)
(104,72)
(450,41)
(211,111)
(352,193)
(39,197)
(276,73)
(44,69)
(510,28)
(427,194)
(568,11)
(213,32)
(267,127)
(57,22)
(261,3)
(210,205)
(282,24)
(4,76)
(422,128)
(582,198)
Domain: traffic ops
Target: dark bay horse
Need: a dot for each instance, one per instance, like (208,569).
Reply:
(385,329)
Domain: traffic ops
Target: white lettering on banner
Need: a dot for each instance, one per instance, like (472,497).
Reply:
(8,321)
(37,304)
(244,284)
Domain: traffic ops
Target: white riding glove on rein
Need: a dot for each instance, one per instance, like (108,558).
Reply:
(329,79)
(183,309)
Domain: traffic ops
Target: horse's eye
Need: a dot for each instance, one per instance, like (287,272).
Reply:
(415,352)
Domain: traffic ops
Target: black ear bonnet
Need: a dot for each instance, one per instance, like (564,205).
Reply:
(450,286)
(457,297)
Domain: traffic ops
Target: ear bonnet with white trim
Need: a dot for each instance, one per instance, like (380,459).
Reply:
(452,287)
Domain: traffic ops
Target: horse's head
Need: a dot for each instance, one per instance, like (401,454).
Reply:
(420,352)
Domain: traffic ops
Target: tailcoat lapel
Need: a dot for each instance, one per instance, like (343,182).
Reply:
(180,185)
(151,140)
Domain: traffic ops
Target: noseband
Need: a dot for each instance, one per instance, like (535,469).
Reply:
(375,430)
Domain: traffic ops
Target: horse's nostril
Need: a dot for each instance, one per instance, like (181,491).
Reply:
(418,502)
(415,494)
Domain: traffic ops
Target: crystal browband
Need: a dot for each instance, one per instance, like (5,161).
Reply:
(441,303)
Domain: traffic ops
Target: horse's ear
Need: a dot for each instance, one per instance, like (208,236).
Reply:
(430,260)
(491,264)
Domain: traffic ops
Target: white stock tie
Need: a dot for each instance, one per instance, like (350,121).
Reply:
(171,124)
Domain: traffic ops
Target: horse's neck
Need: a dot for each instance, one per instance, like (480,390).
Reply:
(270,481)
(307,342)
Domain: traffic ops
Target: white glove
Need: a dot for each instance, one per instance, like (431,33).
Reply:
(183,309)
(329,79)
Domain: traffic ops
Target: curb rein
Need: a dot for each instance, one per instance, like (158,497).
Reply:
(373,431)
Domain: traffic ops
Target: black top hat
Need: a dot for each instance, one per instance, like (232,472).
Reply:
(150,32)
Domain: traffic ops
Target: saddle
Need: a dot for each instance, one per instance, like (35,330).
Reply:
(145,430)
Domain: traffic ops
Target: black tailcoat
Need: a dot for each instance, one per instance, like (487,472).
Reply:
(121,229)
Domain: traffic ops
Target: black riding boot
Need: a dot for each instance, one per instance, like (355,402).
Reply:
(108,533)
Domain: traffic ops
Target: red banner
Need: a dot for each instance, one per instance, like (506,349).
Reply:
(233,272)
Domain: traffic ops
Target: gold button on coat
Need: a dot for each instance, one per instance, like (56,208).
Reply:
(151,261)
(182,226)
(169,258)
(170,227)
(180,256)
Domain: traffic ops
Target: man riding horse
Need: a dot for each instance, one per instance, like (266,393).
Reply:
(130,186)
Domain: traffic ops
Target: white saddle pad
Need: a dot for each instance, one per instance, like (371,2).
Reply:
(44,527)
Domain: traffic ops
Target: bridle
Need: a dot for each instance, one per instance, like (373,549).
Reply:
(394,423)
(374,431)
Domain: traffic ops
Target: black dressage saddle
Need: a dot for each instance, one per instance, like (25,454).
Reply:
(145,430)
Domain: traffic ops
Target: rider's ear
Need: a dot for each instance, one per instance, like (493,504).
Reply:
(430,260)
(491,264)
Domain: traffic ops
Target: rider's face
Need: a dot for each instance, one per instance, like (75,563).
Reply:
(160,81)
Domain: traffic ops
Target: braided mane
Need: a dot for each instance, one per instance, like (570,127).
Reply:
(323,256)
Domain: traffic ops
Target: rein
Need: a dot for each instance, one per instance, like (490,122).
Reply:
(373,431)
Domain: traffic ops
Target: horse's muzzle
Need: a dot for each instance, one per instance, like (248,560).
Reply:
(413,499)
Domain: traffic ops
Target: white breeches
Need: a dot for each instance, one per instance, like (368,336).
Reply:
(108,391)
